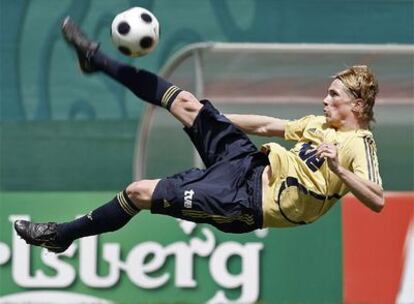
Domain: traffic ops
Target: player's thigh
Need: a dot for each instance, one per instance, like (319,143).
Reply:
(209,196)
(186,108)
(216,138)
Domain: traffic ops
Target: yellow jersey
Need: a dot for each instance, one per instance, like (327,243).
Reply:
(302,187)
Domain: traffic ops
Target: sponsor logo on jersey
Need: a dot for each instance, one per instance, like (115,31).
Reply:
(188,198)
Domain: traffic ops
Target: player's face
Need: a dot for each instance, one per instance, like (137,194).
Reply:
(338,105)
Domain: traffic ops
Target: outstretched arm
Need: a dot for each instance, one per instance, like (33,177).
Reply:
(369,193)
(258,124)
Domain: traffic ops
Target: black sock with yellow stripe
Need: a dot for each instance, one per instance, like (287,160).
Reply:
(109,217)
(142,83)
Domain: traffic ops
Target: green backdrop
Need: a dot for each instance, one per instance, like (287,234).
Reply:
(52,116)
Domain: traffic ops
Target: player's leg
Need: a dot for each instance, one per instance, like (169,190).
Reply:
(144,84)
(215,137)
(109,217)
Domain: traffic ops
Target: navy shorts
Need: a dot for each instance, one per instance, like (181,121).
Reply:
(228,193)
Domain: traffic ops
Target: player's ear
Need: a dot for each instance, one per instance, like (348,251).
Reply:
(358,106)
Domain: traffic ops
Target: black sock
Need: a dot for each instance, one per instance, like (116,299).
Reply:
(142,83)
(109,217)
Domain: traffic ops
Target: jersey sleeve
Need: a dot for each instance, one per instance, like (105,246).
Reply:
(365,160)
(294,128)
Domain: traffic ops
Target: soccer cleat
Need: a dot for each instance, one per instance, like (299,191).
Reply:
(43,235)
(84,47)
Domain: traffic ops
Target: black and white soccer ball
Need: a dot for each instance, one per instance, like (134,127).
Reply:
(135,32)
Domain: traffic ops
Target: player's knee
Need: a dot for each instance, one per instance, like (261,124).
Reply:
(186,107)
(187,102)
(140,192)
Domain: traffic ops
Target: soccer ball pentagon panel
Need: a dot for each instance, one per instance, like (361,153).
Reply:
(135,32)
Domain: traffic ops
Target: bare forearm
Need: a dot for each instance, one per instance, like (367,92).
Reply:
(258,124)
(251,124)
(369,193)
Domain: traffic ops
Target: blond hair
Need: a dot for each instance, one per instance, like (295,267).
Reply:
(361,83)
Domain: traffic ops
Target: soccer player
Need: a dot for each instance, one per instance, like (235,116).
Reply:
(242,188)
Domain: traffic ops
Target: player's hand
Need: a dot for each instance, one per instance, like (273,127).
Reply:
(330,153)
